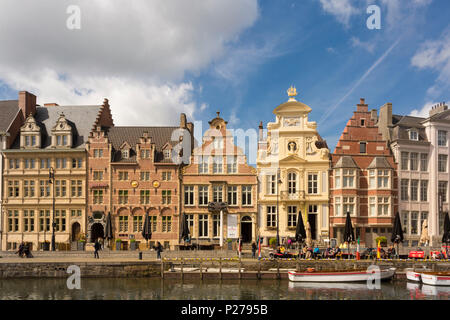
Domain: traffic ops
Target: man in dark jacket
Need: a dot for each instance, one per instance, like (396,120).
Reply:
(96,248)
(253,250)
(158,249)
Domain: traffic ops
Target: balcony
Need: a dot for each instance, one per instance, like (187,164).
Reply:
(297,196)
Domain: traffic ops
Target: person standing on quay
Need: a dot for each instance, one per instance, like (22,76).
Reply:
(253,250)
(158,249)
(96,248)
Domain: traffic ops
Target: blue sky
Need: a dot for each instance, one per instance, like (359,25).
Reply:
(237,57)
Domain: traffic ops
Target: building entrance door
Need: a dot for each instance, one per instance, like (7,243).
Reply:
(312,219)
(246,229)
(97,231)
(76,231)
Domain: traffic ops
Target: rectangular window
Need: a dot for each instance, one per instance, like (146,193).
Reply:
(145,153)
(337,206)
(217,194)
(44,220)
(349,205)
(271,216)
(60,219)
(123,196)
(137,223)
(362,147)
(166,196)
(383,206)
(292,216)
(348,178)
(337,178)
(123,223)
(372,178)
(28,188)
(217,164)
(216,225)
(202,225)
(232,164)
(232,195)
(60,188)
(424,190)
(442,163)
(414,190)
(166,176)
(76,188)
(404,189)
(383,179)
(414,161)
(404,160)
(423,217)
(442,138)
(246,195)
(405,222)
(414,222)
(442,190)
(312,183)
(145,175)
(166,223)
(203,164)
(145,196)
(190,222)
(98,196)
(372,206)
(28,220)
(153,223)
(44,188)
(123,175)
(423,162)
(98,153)
(98,175)
(189,195)
(271,184)
(203,195)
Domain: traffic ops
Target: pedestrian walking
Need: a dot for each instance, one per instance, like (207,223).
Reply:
(97,247)
(158,249)
(20,251)
(253,250)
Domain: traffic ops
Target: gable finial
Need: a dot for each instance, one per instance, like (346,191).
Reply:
(292,92)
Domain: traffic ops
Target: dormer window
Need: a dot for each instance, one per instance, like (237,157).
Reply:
(413,135)
(62,133)
(61,140)
(166,154)
(125,154)
(30,134)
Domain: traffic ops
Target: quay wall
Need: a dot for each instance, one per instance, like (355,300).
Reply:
(267,269)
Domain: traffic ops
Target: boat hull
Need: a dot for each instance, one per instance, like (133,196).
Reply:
(435,279)
(412,275)
(351,276)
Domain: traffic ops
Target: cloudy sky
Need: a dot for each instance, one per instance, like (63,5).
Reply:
(155,59)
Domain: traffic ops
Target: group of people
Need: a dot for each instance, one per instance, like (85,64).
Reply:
(24,251)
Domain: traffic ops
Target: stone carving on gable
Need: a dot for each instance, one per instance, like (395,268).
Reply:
(310,147)
(292,147)
(292,122)
(324,153)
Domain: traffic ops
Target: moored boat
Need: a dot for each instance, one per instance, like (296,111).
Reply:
(436,278)
(413,274)
(339,276)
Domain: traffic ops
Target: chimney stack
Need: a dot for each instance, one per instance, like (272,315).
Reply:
(260,138)
(374,115)
(438,108)
(183,121)
(362,107)
(27,103)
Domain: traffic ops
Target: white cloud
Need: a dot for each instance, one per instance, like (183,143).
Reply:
(366,45)
(342,10)
(424,111)
(135,53)
(435,55)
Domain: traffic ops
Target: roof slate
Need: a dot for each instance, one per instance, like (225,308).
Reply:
(8,111)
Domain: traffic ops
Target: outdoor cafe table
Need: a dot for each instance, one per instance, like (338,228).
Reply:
(416,254)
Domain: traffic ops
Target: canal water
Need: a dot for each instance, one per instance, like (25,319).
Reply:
(157,289)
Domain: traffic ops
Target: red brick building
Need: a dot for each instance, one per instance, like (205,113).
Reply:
(363,179)
(219,173)
(131,171)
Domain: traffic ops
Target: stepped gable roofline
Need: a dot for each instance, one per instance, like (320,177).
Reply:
(8,112)
(379,162)
(345,162)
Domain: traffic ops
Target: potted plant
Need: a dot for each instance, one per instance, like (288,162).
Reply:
(46,245)
(118,244)
(82,242)
(273,242)
(383,241)
(230,244)
(133,244)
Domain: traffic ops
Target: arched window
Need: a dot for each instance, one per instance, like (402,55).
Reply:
(292,182)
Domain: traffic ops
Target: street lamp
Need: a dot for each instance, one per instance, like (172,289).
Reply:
(51,179)
(278,207)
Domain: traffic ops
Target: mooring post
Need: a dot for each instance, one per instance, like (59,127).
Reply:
(220,267)
(182,265)
(162,269)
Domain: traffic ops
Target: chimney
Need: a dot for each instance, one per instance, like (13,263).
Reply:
(362,107)
(183,121)
(260,131)
(374,115)
(27,103)
(53,104)
(190,127)
(385,120)
(438,108)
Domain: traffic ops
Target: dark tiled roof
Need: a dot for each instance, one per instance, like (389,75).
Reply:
(402,125)
(345,162)
(379,162)
(159,135)
(441,115)
(80,118)
(8,111)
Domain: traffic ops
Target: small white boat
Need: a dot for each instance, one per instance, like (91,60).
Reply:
(327,286)
(436,278)
(435,290)
(339,276)
(413,274)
